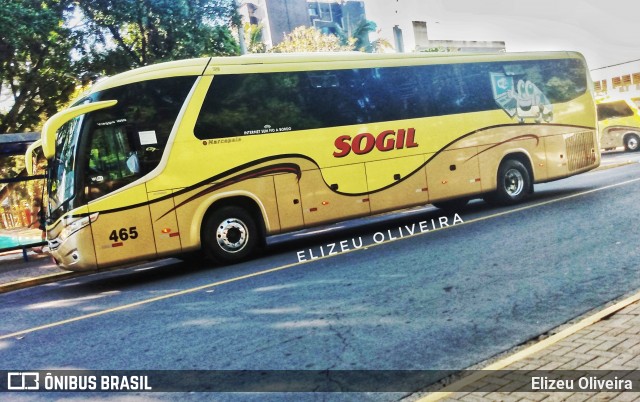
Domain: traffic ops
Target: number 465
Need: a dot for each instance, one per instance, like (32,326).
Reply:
(124,234)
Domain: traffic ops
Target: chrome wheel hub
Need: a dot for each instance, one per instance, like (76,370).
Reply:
(513,182)
(232,235)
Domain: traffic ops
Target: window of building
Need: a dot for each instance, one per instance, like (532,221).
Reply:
(616,82)
(597,85)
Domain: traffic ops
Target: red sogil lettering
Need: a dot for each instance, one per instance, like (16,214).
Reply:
(364,143)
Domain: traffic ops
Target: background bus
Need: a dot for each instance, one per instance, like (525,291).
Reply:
(619,123)
(215,154)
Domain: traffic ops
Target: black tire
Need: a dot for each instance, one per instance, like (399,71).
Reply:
(451,205)
(514,184)
(229,235)
(631,142)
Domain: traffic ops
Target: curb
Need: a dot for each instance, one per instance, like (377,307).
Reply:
(40,280)
(613,165)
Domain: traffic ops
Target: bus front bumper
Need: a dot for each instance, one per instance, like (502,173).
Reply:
(72,248)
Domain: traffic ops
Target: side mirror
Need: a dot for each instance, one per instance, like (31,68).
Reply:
(56,121)
(28,156)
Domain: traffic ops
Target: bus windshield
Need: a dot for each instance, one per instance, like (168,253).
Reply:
(126,141)
(62,170)
(103,151)
(613,110)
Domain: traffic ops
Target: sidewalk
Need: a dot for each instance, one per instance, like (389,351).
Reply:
(606,343)
(16,273)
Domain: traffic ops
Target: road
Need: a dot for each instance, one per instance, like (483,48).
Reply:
(445,299)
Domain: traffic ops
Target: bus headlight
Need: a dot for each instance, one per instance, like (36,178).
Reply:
(76,225)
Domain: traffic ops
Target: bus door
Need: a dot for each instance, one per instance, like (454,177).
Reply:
(164,222)
(122,229)
(288,200)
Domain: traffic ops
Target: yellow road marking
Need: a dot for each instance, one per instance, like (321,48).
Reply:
(284,267)
(146,301)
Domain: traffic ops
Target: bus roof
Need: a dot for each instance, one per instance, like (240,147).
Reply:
(264,62)
(160,70)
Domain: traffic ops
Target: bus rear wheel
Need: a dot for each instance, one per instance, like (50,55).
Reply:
(229,235)
(631,142)
(514,183)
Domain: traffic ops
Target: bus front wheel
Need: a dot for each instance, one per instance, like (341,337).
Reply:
(229,235)
(514,183)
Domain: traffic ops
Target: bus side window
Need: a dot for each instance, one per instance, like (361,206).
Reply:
(613,109)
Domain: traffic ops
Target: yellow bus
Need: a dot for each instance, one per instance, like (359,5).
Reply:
(216,154)
(619,123)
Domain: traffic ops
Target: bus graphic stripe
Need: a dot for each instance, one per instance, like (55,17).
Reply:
(520,137)
(281,168)
(295,169)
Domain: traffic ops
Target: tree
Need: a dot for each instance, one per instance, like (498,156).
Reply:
(132,33)
(253,38)
(37,75)
(380,45)
(309,39)
(440,49)
(359,37)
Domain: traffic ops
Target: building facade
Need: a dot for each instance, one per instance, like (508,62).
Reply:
(279,17)
(617,81)
(424,44)
(332,16)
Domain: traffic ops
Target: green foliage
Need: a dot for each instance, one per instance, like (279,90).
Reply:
(37,74)
(309,39)
(131,33)
(49,48)
(380,45)
(439,49)
(253,38)
(359,38)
